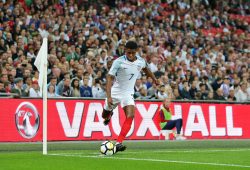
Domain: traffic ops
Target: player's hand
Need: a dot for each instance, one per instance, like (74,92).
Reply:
(110,102)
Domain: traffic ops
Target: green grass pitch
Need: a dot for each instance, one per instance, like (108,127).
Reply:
(152,155)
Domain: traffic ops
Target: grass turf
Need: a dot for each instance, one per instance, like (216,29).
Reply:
(178,155)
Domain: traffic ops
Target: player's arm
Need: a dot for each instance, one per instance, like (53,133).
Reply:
(150,74)
(110,79)
(162,117)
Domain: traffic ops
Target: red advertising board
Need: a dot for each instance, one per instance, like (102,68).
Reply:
(214,121)
(18,120)
(21,120)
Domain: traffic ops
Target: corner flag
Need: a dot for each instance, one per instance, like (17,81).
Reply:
(41,64)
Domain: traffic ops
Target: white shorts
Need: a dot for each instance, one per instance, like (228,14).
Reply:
(123,100)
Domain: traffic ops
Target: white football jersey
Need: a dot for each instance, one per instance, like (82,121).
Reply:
(126,73)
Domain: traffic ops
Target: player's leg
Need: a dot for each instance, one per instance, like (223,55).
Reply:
(170,125)
(129,111)
(108,112)
(128,105)
(106,115)
(178,126)
(175,124)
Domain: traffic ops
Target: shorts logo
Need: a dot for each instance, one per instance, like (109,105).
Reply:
(27,120)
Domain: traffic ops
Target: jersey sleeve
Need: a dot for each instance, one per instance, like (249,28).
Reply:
(114,68)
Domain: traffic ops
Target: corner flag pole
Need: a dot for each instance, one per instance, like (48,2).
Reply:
(41,64)
(45,125)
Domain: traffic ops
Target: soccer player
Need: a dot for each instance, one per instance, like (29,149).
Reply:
(166,121)
(121,80)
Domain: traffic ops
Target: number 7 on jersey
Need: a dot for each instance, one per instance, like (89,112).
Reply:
(131,76)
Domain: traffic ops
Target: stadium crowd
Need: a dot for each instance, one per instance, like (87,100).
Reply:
(198,49)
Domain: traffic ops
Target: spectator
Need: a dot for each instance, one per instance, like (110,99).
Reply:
(225,86)
(97,90)
(177,94)
(103,58)
(79,74)
(144,81)
(61,84)
(154,64)
(242,94)
(27,84)
(219,94)
(4,78)
(210,95)
(207,84)
(217,83)
(2,89)
(88,76)
(162,94)
(53,82)
(51,91)
(85,89)
(34,90)
(99,77)
(138,86)
(231,97)
(166,121)
(152,91)
(203,91)
(120,50)
(18,88)
(159,72)
(185,91)
(193,90)
(71,54)
(213,75)
(143,94)
(149,82)
(75,84)
(7,87)
(197,95)
(67,90)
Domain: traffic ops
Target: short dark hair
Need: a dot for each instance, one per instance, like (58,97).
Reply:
(219,79)
(131,45)
(53,77)
(202,84)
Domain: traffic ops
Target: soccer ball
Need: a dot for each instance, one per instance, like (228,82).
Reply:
(108,148)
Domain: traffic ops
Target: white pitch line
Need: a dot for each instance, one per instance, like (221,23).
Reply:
(153,160)
(176,151)
(192,151)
